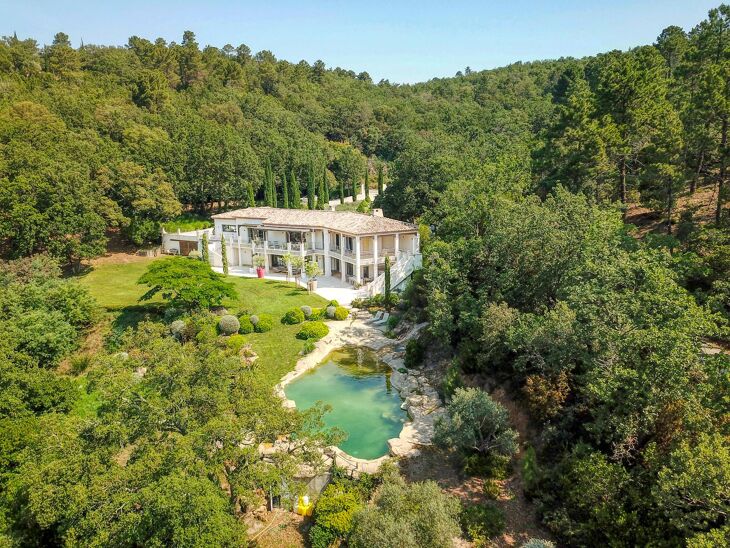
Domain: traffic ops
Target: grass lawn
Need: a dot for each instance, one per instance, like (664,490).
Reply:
(114,286)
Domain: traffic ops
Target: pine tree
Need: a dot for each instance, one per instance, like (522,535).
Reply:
(205,255)
(310,187)
(367,182)
(251,197)
(285,193)
(295,195)
(342,192)
(381,180)
(224,256)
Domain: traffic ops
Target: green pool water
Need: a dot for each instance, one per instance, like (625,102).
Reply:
(357,386)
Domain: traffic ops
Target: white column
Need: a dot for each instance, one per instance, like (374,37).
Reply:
(266,255)
(358,275)
(417,244)
(375,256)
(327,262)
(240,252)
(397,245)
(343,268)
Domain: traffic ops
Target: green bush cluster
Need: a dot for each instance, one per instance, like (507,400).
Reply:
(246,325)
(293,317)
(480,522)
(415,352)
(313,330)
(235,343)
(309,346)
(376,301)
(265,323)
(341,313)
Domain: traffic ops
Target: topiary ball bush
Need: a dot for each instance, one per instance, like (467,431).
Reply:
(228,324)
(254,319)
(341,313)
(246,325)
(317,314)
(265,323)
(331,311)
(306,310)
(177,328)
(313,330)
(293,316)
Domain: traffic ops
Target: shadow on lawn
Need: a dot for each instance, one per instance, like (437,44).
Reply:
(131,316)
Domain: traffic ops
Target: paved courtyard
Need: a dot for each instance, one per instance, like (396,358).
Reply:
(329,287)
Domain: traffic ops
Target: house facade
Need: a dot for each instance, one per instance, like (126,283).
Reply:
(347,245)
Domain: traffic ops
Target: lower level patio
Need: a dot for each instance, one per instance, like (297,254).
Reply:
(328,287)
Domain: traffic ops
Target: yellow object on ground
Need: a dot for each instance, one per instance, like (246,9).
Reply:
(304,507)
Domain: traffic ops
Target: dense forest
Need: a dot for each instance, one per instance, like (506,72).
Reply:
(522,179)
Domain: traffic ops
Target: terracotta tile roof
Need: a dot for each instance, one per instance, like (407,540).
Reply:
(340,221)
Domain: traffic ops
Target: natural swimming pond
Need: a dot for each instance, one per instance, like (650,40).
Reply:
(357,385)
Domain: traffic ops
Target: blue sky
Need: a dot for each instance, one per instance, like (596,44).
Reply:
(403,41)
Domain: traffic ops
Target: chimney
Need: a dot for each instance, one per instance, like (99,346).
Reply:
(377,212)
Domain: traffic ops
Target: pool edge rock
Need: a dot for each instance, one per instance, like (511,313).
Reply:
(421,401)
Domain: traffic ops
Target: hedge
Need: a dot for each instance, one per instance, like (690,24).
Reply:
(313,330)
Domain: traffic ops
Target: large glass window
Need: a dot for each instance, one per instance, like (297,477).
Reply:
(228,228)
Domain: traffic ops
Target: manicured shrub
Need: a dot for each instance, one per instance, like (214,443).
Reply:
(334,303)
(246,325)
(265,323)
(177,328)
(228,324)
(307,310)
(313,330)
(414,353)
(321,537)
(393,321)
(309,346)
(317,314)
(235,343)
(254,319)
(341,313)
(480,522)
(330,311)
(293,317)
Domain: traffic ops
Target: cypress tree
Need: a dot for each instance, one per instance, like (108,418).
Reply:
(275,198)
(354,190)
(342,192)
(224,256)
(321,204)
(295,196)
(367,182)
(285,193)
(387,282)
(380,180)
(267,182)
(310,187)
(205,255)
(251,197)
(325,186)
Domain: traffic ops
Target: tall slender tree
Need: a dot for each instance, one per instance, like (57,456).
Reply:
(224,255)
(321,203)
(205,254)
(325,185)
(268,175)
(367,181)
(353,189)
(342,191)
(310,186)
(250,196)
(381,179)
(284,192)
(295,195)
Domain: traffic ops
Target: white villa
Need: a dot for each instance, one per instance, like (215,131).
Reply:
(350,247)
